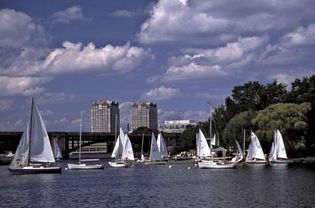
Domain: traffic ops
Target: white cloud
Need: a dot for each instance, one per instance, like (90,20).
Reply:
(76,58)
(17,29)
(124,13)
(161,93)
(195,20)
(301,36)
(68,15)
(12,126)
(10,86)
(215,62)
(5,105)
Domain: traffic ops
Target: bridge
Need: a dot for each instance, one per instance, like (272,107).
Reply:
(69,141)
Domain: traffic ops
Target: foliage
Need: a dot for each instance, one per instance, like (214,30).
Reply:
(289,118)
(235,127)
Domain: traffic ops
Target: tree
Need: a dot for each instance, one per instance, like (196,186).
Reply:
(289,118)
(234,129)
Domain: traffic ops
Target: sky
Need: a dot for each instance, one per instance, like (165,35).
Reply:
(185,55)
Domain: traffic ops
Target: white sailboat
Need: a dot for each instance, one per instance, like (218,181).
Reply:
(255,153)
(155,154)
(162,146)
(122,152)
(204,151)
(34,153)
(278,153)
(83,166)
(57,150)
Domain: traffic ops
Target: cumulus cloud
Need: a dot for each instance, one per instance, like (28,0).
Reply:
(161,93)
(124,13)
(76,58)
(26,86)
(17,29)
(301,36)
(5,105)
(217,20)
(215,62)
(70,14)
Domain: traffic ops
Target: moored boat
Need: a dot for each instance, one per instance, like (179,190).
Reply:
(255,153)
(212,164)
(34,154)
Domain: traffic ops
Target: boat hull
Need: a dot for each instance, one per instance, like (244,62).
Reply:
(85,167)
(119,164)
(262,162)
(215,165)
(280,162)
(34,170)
(155,162)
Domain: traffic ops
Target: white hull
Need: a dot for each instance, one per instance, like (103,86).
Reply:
(84,166)
(262,162)
(34,170)
(281,162)
(119,164)
(215,165)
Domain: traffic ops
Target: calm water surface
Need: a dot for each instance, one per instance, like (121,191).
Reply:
(161,186)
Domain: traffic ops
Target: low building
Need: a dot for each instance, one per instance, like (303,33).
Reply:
(176,126)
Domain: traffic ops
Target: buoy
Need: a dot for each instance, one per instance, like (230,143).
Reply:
(169,166)
(195,164)
(188,168)
(66,168)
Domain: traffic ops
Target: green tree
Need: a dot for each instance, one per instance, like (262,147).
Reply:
(290,119)
(234,129)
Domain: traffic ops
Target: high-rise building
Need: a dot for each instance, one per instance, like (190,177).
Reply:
(105,116)
(143,115)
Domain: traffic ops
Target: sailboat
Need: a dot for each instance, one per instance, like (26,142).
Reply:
(255,153)
(83,166)
(57,150)
(122,152)
(155,154)
(34,153)
(203,151)
(239,154)
(278,153)
(162,146)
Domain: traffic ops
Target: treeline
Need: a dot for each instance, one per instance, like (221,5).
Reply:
(262,109)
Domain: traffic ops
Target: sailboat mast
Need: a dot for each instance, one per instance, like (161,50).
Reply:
(80,139)
(244,132)
(30,132)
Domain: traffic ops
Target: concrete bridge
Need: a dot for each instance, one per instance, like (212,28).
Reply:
(69,141)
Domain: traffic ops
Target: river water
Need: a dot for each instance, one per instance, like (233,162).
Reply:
(183,185)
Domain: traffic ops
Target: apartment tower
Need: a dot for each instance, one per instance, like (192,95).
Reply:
(143,115)
(105,116)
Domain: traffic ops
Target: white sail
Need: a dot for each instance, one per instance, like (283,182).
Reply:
(273,151)
(213,140)
(239,153)
(118,149)
(22,152)
(204,149)
(162,146)
(127,149)
(254,150)
(281,152)
(40,147)
(154,150)
(57,150)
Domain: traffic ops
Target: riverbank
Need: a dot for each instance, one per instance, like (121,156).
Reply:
(309,159)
